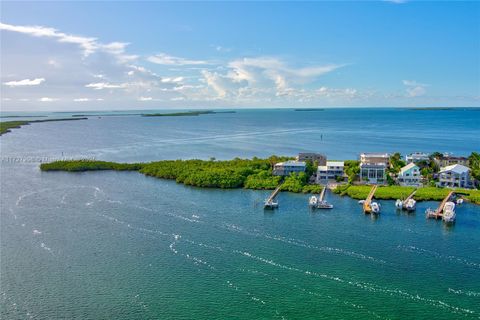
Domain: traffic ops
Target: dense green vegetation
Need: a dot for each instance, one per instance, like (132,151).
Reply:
(7,125)
(237,173)
(397,192)
(253,174)
(88,165)
(352,169)
(474,164)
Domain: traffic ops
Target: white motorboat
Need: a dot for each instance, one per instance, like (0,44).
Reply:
(270,204)
(375,207)
(449,214)
(361,201)
(313,201)
(324,205)
(410,205)
(459,201)
(399,204)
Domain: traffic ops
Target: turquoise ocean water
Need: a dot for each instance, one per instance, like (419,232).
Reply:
(119,245)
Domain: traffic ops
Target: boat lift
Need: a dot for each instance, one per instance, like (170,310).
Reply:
(270,202)
(438,213)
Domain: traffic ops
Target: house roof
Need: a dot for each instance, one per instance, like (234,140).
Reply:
(408,167)
(375,155)
(291,163)
(335,163)
(456,168)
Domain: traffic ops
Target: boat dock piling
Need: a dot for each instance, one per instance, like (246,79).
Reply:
(438,213)
(366,205)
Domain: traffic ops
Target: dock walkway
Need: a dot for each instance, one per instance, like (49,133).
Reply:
(438,213)
(366,205)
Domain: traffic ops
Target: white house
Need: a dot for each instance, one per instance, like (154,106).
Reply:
(373,172)
(330,171)
(287,167)
(455,176)
(374,158)
(373,167)
(409,175)
(416,157)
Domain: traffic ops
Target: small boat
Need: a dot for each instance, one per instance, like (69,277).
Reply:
(324,205)
(313,201)
(459,201)
(361,201)
(410,205)
(271,204)
(399,204)
(430,213)
(375,207)
(449,214)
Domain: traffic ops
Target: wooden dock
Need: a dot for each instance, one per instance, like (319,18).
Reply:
(269,202)
(367,204)
(404,202)
(438,213)
(322,194)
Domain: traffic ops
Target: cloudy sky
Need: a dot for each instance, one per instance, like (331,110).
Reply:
(121,55)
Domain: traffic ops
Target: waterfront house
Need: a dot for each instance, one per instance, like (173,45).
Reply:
(448,160)
(374,158)
(373,172)
(409,175)
(288,167)
(455,176)
(373,167)
(320,158)
(416,157)
(330,171)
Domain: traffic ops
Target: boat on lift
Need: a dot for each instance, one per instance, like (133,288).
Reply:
(324,205)
(449,214)
(410,205)
(375,207)
(399,204)
(313,201)
(271,204)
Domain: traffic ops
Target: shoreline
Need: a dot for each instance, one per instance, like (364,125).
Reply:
(5,126)
(252,174)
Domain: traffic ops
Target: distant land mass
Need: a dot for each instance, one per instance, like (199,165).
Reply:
(313,109)
(183,114)
(7,125)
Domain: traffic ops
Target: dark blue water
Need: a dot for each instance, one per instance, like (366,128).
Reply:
(121,245)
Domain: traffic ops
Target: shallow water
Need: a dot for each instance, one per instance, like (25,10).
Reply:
(121,245)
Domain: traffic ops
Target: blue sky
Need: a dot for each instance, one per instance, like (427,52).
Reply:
(122,55)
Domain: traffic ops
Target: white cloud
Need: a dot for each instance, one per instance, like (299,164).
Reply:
(145,99)
(105,85)
(81,100)
(222,49)
(414,89)
(47,99)
(262,76)
(166,59)
(172,80)
(88,45)
(24,82)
